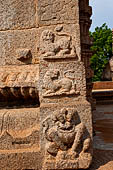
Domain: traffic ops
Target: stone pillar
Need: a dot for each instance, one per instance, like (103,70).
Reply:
(65,113)
(85,23)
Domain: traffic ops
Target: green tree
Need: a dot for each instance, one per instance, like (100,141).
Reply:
(102,49)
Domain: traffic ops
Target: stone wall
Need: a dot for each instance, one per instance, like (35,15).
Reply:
(45,84)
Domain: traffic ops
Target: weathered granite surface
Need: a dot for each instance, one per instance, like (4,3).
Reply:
(45,85)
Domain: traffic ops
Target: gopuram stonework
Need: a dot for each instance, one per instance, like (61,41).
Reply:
(45,85)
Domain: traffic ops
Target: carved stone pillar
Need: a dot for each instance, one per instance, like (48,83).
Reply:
(85,23)
(65,113)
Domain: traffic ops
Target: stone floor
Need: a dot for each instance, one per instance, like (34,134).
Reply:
(102,160)
(103,138)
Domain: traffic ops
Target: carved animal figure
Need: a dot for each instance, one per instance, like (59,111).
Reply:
(48,46)
(53,85)
(64,44)
(62,133)
(51,81)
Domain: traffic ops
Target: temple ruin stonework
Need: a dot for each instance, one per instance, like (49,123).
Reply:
(45,85)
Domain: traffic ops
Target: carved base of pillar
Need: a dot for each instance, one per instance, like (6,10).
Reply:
(83,161)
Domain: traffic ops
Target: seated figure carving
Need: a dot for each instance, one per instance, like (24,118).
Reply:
(54,85)
(49,48)
(63,134)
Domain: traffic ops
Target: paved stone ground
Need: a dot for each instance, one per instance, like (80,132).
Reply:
(102,160)
(103,138)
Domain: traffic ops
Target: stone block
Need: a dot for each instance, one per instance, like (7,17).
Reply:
(19,76)
(17,14)
(11,41)
(2,47)
(66,135)
(60,41)
(26,159)
(62,81)
(19,129)
(57,12)
(18,85)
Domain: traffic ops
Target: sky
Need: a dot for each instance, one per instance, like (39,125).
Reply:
(102,13)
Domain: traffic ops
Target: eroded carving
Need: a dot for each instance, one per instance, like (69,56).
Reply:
(24,55)
(18,78)
(50,48)
(56,85)
(65,135)
(19,92)
(57,11)
(18,82)
(14,132)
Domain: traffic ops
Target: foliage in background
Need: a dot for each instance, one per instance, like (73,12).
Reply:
(102,49)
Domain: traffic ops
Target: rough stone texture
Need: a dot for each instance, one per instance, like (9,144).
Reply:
(46,116)
(21,159)
(19,128)
(17,14)
(65,114)
(19,139)
(18,85)
(11,41)
(74,140)
(55,12)
(61,33)
(19,76)
(69,82)
(85,23)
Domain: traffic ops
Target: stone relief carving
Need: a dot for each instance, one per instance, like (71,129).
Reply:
(8,93)
(19,83)
(57,11)
(14,132)
(18,77)
(65,135)
(50,48)
(55,85)
(23,54)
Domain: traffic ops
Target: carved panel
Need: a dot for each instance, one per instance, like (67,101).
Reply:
(64,133)
(19,128)
(67,135)
(12,41)
(63,47)
(18,82)
(54,12)
(61,81)
(19,76)
(57,85)
(58,42)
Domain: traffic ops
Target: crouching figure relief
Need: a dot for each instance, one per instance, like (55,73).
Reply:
(65,135)
(55,84)
(50,48)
